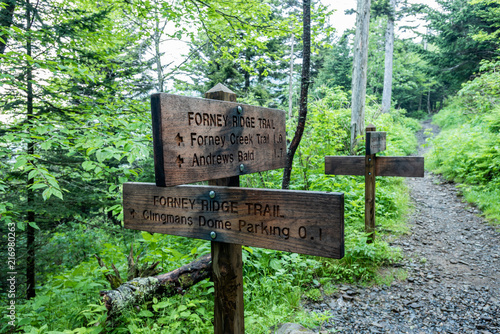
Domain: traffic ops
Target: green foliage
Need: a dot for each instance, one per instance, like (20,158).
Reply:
(458,51)
(275,282)
(468,148)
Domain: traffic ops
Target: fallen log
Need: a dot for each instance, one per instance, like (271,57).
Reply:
(145,288)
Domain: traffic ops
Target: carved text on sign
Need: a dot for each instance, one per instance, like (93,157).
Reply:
(201,139)
(294,221)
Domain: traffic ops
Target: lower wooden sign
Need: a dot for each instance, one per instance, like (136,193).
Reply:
(305,222)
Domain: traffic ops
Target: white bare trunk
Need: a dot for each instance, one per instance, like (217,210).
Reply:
(159,66)
(389,51)
(360,65)
(290,81)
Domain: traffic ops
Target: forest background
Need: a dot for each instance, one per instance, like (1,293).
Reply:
(75,83)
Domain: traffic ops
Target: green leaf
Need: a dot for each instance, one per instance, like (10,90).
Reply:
(34,225)
(145,313)
(21,161)
(161,305)
(39,185)
(101,155)
(45,145)
(32,174)
(21,226)
(57,193)
(88,165)
(47,193)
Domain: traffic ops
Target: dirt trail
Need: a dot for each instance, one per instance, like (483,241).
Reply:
(452,257)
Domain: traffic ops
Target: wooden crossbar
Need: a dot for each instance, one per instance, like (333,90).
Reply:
(384,166)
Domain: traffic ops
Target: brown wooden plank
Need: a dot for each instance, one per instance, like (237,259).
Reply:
(384,166)
(375,142)
(227,275)
(201,139)
(345,165)
(399,166)
(304,222)
(370,197)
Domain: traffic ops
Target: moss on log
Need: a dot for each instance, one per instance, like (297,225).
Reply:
(143,289)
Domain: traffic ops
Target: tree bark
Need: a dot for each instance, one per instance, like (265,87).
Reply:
(429,109)
(290,80)
(359,72)
(304,90)
(169,284)
(6,19)
(159,66)
(389,52)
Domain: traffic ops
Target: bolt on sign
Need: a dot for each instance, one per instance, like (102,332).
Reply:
(201,139)
(305,222)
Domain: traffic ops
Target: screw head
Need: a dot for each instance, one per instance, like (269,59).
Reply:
(369,173)
(242,167)
(240,109)
(213,235)
(211,194)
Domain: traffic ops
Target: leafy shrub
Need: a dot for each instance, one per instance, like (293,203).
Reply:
(468,148)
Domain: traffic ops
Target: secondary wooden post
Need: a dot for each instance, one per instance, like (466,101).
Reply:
(370,190)
(227,262)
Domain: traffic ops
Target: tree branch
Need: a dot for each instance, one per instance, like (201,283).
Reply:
(169,284)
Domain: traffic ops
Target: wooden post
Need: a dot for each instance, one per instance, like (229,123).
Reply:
(227,260)
(370,192)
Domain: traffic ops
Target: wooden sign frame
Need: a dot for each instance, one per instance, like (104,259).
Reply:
(202,139)
(286,220)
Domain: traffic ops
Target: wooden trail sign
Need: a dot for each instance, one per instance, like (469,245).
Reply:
(305,222)
(371,166)
(202,139)
(375,142)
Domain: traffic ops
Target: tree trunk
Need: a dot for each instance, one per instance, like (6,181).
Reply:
(6,19)
(429,109)
(360,65)
(159,66)
(30,230)
(290,81)
(169,284)
(304,89)
(389,51)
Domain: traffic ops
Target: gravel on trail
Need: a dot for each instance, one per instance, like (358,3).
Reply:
(452,260)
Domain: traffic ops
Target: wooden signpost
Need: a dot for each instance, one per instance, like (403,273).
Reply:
(203,139)
(370,166)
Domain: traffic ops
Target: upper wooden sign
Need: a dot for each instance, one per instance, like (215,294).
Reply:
(304,222)
(375,142)
(201,139)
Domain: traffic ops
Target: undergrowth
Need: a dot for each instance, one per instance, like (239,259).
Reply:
(275,283)
(468,148)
